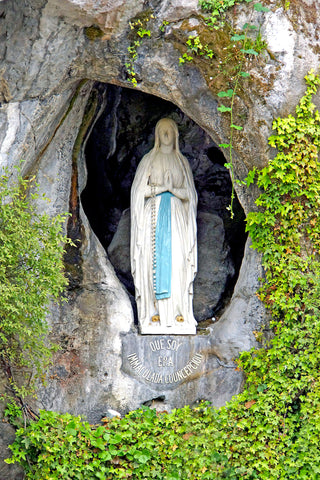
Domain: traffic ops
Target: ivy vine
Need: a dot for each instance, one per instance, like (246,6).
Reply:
(271,431)
(249,44)
(31,272)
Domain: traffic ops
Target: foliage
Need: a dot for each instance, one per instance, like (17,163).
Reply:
(162,27)
(31,271)
(248,48)
(245,45)
(271,430)
(197,48)
(287,229)
(139,30)
(142,445)
(218,9)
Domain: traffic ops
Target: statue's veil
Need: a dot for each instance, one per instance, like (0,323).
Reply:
(174,127)
(137,208)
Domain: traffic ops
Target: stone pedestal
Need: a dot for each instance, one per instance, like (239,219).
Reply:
(170,371)
(178,328)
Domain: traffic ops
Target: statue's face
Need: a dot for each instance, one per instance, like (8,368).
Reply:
(166,134)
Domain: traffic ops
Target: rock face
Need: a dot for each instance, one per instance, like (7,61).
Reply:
(52,54)
(119,248)
(215,267)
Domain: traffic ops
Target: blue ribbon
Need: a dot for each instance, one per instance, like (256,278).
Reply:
(163,251)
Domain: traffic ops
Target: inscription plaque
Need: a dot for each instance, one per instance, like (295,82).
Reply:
(162,362)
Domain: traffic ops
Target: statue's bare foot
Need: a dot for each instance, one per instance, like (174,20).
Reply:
(155,318)
(179,318)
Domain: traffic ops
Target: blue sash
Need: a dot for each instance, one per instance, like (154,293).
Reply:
(163,248)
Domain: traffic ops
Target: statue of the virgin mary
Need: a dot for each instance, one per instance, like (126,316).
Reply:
(164,236)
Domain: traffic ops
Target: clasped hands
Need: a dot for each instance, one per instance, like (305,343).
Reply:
(168,181)
(167,186)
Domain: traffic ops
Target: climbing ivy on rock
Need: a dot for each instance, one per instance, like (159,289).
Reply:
(31,272)
(233,62)
(271,431)
(283,380)
(248,48)
(139,29)
(287,227)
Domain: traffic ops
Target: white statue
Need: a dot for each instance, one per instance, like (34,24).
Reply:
(164,236)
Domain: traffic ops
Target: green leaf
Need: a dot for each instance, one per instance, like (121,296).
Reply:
(236,127)
(245,74)
(115,439)
(224,145)
(100,475)
(262,387)
(173,476)
(260,8)
(237,37)
(223,108)
(249,26)
(250,177)
(143,457)
(229,93)
(249,51)
(104,456)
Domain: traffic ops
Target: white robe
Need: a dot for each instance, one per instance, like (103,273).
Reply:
(184,245)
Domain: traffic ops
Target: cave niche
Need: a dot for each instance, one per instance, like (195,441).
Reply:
(120,137)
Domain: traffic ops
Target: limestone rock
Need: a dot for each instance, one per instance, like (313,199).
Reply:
(48,63)
(178,9)
(86,376)
(215,266)
(119,248)
(233,333)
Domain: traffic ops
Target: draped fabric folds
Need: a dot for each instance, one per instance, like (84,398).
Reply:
(175,293)
(163,253)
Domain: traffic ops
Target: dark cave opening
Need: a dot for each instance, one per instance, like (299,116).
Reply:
(122,135)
